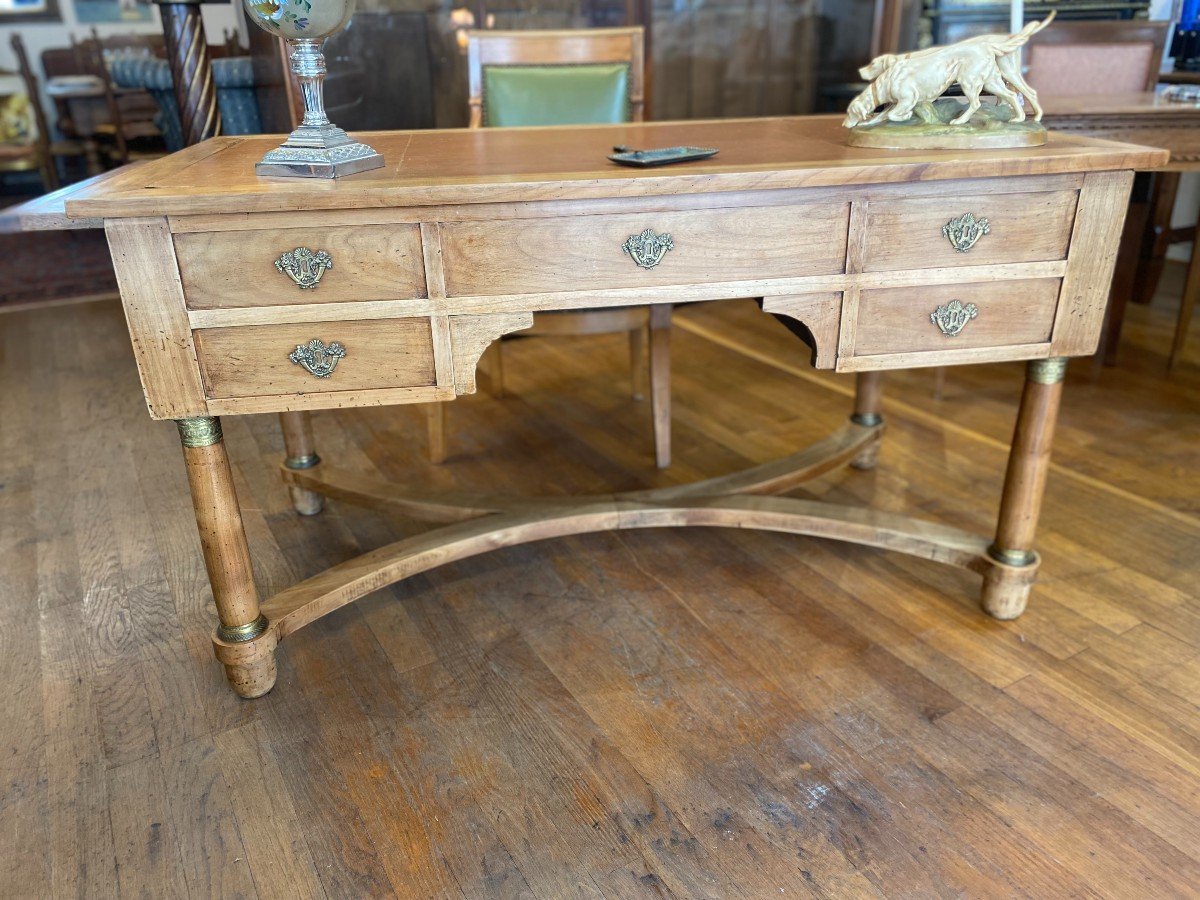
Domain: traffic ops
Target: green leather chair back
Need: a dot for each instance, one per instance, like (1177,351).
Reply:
(589,94)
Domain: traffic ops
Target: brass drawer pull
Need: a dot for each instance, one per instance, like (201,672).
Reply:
(952,317)
(304,266)
(317,358)
(647,249)
(965,231)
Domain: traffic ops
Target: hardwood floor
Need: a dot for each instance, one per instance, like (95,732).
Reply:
(676,714)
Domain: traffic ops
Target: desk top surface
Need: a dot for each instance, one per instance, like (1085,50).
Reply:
(425,168)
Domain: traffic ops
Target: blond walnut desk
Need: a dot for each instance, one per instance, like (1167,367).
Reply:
(249,295)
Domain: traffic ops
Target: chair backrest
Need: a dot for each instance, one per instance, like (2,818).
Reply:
(1098,57)
(570,77)
(32,90)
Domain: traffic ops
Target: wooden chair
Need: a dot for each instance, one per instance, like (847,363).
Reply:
(572,77)
(131,128)
(44,152)
(1121,57)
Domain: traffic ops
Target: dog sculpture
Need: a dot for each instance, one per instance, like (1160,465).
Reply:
(910,82)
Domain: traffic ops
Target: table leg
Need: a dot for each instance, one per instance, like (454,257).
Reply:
(242,641)
(301,454)
(660,381)
(1187,304)
(1124,283)
(868,400)
(1006,587)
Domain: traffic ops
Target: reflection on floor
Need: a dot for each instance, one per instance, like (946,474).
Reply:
(663,714)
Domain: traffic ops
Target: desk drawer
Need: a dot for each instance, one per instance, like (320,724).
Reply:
(955,317)
(266,360)
(239,268)
(599,252)
(926,234)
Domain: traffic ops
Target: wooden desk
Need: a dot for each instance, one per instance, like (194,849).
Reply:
(422,264)
(1148,119)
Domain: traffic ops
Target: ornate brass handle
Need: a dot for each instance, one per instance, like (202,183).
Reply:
(952,317)
(317,358)
(304,266)
(965,231)
(647,249)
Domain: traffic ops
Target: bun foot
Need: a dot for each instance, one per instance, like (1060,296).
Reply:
(1006,590)
(249,666)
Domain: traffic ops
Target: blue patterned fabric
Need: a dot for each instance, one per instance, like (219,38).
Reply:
(235,93)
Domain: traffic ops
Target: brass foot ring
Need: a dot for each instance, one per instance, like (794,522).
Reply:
(1018,558)
(869,420)
(301,462)
(239,634)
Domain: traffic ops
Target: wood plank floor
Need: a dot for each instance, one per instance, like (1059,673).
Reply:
(680,714)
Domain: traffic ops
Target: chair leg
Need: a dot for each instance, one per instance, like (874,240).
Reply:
(660,381)
(1125,273)
(1191,287)
(492,367)
(435,420)
(1157,235)
(638,362)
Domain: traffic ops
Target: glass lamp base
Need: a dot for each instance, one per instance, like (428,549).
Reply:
(318,152)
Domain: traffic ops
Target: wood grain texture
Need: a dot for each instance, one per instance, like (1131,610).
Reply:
(1094,244)
(152,295)
(1022,227)
(222,269)
(254,361)
(471,335)
(586,253)
(897,320)
(498,165)
(603,714)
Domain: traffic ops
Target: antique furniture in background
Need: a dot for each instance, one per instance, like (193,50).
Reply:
(236,98)
(46,151)
(1105,57)
(953,20)
(586,76)
(233,308)
(131,128)
(1144,118)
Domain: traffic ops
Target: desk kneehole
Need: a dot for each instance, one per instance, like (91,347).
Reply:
(956,316)
(312,357)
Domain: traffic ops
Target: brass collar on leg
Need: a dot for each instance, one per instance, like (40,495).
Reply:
(869,420)
(1047,371)
(239,634)
(199,431)
(1017,558)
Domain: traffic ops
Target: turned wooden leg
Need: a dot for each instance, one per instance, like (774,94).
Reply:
(242,640)
(638,362)
(868,400)
(491,365)
(660,381)
(1006,586)
(435,428)
(301,454)
(1191,287)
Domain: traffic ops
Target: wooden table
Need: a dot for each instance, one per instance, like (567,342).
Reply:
(1145,118)
(248,295)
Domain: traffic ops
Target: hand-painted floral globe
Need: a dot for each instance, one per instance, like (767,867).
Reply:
(300,19)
